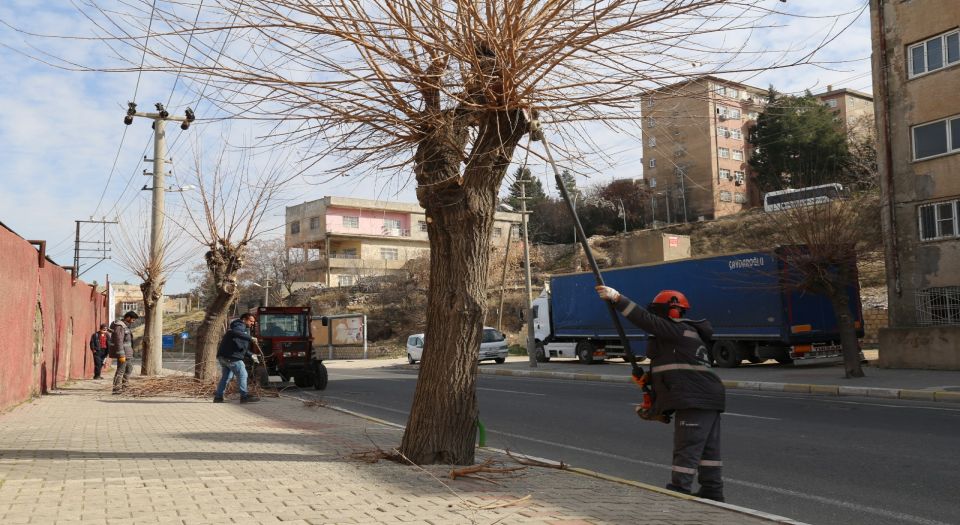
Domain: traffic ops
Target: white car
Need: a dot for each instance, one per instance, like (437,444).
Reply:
(493,345)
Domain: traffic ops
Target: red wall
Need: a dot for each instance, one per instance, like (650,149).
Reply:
(24,285)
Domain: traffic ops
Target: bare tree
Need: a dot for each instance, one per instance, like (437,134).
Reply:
(269,259)
(133,254)
(232,204)
(444,88)
(821,245)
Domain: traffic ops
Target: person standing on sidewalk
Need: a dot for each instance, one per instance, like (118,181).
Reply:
(99,344)
(683,386)
(234,347)
(121,348)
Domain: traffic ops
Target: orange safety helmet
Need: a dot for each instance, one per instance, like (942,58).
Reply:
(672,301)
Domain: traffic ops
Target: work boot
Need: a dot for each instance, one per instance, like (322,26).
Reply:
(709,494)
(249,399)
(675,488)
(217,399)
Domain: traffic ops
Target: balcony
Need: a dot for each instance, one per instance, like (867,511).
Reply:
(396,232)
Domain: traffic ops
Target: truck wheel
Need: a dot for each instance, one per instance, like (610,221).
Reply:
(301,380)
(726,354)
(585,352)
(540,354)
(320,377)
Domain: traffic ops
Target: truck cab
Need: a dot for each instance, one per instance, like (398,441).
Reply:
(287,344)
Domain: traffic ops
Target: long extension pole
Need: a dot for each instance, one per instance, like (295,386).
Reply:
(637,371)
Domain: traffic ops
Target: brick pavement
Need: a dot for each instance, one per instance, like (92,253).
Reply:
(84,456)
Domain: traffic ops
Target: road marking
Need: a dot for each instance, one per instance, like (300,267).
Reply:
(511,391)
(813,398)
(787,492)
(751,417)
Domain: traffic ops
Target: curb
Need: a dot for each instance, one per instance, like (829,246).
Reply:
(942,396)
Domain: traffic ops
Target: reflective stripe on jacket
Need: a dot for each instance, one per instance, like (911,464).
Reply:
(678,359)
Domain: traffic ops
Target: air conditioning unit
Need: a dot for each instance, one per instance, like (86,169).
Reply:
(738,182)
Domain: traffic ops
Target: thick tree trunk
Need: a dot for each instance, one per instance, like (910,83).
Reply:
(150,358)
(208,337)
(460,210)
(848,332)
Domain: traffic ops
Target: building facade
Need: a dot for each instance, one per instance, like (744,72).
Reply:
(695,148)
(916,76)
(341,240)
(854,109)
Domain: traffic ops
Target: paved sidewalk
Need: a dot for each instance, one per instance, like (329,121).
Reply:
(84,456)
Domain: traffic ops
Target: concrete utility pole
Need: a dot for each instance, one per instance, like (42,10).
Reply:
(531,337)
(160,119)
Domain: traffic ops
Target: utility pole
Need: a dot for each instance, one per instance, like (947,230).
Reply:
(623,213)
(531,337)
(101,247)
(153,361)
(503,275)
(266,293)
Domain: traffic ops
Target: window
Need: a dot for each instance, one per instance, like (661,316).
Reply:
(725,196)
(724,153)
(497,232)
(738,154)
(651,102)
(295,227)
(653,163)
(651,122)
(740,197)
(722,131)
(351,222)
(314,223)
(938,221)
(344,280)
(516,231)
(732,93)
(936,138)
(832,102)
(739,177)
(422,225)
(724,174)
(938,306)
(652,142)
(389,254)
(391,224)
(933,54)
(736,134)
(131,307)
(733,113)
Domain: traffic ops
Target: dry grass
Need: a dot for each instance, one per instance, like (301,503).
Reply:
(187,386)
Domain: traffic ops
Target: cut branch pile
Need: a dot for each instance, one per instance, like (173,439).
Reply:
(490,466)
(186,386)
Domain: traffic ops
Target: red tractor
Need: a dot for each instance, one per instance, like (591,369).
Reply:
(287,345)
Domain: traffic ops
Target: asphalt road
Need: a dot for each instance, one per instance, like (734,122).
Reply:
(821,460)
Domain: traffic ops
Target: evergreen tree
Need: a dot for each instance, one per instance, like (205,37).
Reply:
(798,142)
(534,189)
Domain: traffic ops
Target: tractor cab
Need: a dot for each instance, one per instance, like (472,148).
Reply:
(287,345)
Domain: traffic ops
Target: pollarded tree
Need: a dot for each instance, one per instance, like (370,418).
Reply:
(446,89)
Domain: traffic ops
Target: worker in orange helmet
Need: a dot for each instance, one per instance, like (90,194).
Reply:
(683,386)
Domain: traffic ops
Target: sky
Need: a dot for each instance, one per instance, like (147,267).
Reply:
(65,154)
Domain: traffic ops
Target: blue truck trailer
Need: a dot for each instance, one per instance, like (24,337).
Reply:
(750,298)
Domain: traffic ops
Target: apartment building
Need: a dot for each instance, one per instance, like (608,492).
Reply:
(854,109)
(343,240)
(916,77)
(695,148)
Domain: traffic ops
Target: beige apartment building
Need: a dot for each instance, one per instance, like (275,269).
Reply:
(342,240)
(695,148)
(854,109)
(916,77)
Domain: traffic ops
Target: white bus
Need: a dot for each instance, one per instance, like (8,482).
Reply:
(783,199)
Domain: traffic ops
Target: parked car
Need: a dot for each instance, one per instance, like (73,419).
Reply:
(493,345)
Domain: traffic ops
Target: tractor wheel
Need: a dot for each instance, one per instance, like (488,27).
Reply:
(320,377)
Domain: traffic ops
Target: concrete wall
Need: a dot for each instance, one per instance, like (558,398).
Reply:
(47,321)
(901,103)
(653,246)
(936,348)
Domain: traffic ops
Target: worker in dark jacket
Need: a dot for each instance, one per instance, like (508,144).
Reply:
(683,386)
(99,345)
(121,348)
(234,347)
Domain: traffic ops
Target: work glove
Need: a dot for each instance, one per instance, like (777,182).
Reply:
(608,294)
(122,359)
(255,358)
